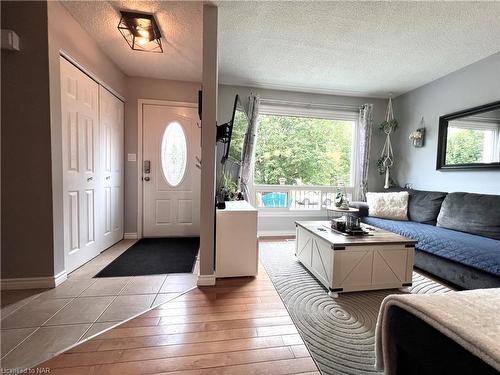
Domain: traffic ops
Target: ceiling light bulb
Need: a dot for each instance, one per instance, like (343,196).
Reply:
(141,41)
(143,33)
(140,31)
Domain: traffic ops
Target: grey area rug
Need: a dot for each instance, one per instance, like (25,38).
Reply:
(340,333)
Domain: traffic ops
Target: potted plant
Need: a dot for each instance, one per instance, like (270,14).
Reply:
(388,126)
(386,160)
(230,189)
(417,137)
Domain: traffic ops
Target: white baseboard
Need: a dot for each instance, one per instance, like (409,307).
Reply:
(129,236)
(276,233)
(34,282)
(206,280)
(60,278)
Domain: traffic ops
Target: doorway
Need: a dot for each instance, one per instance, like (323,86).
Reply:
(169,170)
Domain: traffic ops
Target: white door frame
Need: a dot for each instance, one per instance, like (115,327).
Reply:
(140,159)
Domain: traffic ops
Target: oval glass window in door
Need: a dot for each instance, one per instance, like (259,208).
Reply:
(174,153)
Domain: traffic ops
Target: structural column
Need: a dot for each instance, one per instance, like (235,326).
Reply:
(208,146)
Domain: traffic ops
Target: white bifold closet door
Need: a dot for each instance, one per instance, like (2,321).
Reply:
(92,152)
(111,142)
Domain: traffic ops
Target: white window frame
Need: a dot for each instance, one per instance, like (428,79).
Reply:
(482,123)
(323,111)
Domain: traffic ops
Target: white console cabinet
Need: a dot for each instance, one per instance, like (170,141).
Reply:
(236,251)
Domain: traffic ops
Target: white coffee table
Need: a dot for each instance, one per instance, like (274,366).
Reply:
(383,260)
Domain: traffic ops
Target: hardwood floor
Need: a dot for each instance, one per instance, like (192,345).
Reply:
(238,327)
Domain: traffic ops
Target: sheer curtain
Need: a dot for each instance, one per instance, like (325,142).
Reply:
(362,162)
(248,160)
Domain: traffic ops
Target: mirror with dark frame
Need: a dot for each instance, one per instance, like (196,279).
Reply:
(470,138)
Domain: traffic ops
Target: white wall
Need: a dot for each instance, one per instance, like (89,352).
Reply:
(208,134)
(469,87)
(280,225)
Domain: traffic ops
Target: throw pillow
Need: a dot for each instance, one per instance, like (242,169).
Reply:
(392,206)
(471,213)
(424,206)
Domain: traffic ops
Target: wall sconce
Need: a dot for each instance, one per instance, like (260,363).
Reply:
(141,31)
(417,137)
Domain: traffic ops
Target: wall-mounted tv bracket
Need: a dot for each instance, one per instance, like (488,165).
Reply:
(224,132)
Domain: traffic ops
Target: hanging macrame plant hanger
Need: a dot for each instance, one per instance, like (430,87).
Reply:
(387,156)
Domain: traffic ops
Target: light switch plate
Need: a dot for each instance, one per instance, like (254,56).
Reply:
(131,157)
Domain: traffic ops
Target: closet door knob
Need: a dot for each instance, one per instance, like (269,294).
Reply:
(146,178)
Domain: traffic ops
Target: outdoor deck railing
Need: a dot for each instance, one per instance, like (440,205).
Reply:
(296,197)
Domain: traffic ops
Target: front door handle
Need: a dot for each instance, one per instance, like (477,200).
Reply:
(146,179)
(147,166)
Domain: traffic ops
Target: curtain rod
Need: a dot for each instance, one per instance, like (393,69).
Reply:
(289,103)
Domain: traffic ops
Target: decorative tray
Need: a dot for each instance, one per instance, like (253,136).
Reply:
(349,232)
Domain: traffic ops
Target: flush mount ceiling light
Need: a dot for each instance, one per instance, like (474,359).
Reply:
(141,32)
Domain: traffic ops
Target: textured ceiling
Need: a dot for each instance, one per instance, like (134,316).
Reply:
(181,24)
(354,48)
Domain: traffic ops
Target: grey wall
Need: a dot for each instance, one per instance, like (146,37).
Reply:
(32,200)
(65,34)
(27,239)
(144,88)
(31,115)
(471,86)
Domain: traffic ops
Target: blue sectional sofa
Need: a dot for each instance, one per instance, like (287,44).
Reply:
(458,235)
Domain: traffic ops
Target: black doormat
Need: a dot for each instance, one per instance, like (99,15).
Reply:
(150,256)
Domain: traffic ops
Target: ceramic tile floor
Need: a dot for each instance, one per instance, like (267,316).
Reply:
(37,324)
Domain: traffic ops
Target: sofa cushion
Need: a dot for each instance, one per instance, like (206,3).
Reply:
(471,213)
(424,206)
(474,251)
(456,273)
(388,205)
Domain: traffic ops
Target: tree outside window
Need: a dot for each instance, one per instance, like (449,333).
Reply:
(302,150)
(468,145)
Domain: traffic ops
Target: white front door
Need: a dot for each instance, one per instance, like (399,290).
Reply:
(171,180)
(80,148)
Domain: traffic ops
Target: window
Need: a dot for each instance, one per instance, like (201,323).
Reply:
(174,154)
(303,151)
(472,142)
(300,159)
